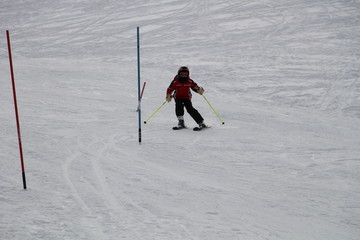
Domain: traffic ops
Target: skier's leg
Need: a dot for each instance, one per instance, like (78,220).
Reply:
(179,111)
(179,107)
(193,112)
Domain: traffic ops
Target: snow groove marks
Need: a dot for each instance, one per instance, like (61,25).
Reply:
(91,189)
(77,184)
(89,220)
(206,21)
(166,24)
(104,189)
(278,22)
(113,207)
(342,87)
(130,178)
(66,174)
(341,94)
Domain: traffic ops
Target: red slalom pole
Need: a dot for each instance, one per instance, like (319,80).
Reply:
(16,110)
(142,91)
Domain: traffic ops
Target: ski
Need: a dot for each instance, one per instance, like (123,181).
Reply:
(195,128)
(200,128)
(178,128)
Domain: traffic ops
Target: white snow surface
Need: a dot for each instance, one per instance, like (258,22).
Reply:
(284,75)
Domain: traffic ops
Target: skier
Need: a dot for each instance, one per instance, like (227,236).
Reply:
(181,87)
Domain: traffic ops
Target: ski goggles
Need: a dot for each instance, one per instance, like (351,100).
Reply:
(183,74)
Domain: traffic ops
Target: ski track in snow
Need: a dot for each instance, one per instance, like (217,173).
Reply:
(102,189)
(284,76)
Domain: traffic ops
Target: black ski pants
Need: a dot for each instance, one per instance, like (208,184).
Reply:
(179,109)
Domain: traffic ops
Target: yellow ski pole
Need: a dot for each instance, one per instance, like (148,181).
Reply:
(155,112)
(222,121)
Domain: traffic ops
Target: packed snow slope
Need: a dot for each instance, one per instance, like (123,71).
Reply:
(284,76)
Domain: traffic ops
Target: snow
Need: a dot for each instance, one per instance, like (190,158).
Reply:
(284,76)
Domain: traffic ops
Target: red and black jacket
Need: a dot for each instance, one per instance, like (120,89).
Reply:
(182,89)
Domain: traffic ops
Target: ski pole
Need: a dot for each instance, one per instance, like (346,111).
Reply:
(222,121)
(155,112)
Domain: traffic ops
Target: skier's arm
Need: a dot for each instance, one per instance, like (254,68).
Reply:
(197,88)
(169,91)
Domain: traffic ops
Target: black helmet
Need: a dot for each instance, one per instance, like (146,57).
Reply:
(183,69)
(183,74)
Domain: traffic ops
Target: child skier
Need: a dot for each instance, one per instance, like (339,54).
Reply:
(181,87)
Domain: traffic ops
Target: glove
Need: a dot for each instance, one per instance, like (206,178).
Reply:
(168,98)
(200,91)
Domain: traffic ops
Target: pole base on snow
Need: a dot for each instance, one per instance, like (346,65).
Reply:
(155,112)
(213,109)
(24,180)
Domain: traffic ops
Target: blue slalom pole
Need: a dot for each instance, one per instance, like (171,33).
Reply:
(139,95)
